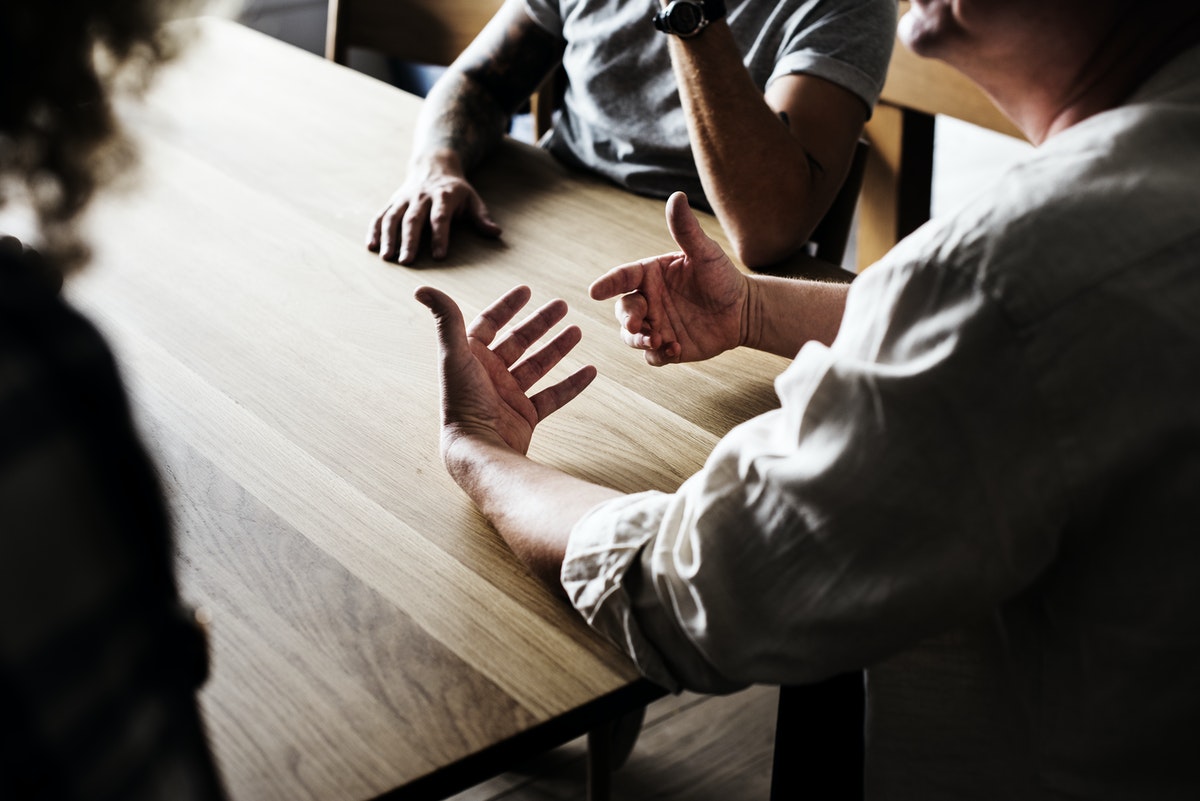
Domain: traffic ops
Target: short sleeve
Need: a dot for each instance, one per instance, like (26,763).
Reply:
(847,43)
(546,14)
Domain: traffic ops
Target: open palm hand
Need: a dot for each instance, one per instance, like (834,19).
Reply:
(485,379)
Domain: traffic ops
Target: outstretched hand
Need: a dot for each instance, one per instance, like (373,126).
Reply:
(485,380)
(679,307)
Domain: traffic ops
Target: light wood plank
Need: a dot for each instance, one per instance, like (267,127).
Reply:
(370,629)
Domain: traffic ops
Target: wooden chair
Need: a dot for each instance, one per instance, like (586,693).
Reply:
(431,32)
(424,31)
(898,180)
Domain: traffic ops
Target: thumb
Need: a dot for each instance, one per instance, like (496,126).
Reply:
(684,227)
(451,329)
(484,223)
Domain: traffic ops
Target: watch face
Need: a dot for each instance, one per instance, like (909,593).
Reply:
(685,17)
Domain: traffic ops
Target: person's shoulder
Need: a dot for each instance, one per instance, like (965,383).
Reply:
(881,13)
(1103,198)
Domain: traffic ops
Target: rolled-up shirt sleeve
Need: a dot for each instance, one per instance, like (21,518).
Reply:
(894,493)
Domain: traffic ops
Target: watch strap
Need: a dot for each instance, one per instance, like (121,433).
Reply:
(710,11)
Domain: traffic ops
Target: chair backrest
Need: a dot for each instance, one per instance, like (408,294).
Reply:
(832,234)
(422,31)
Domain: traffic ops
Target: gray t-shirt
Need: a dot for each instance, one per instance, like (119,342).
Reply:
(622,116)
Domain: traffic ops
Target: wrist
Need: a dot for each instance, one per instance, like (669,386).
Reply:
(443,161)
(475,462)
(687,18)
(466,449)
(752,315)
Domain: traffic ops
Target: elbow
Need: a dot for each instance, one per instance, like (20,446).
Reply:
(761,247)
(762,238)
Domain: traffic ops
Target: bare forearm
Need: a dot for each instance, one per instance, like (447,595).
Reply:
(468,109)
(781,314)
(754,171)
(534,507)
(459,124)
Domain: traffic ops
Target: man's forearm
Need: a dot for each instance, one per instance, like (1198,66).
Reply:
(754,171)
(781,314)
(534,507)
(468,109)
(458,118)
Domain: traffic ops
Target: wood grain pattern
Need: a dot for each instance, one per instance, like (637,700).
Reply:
(370,630)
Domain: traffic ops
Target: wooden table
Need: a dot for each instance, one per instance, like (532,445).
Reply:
(371,634)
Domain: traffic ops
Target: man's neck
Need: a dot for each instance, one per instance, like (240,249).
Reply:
(1110,66)
(1123,62)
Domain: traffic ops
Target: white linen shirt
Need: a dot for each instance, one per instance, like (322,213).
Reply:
(987,490)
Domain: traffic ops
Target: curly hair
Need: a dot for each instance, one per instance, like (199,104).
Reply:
(61,65)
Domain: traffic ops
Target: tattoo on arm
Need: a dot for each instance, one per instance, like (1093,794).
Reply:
(468,122)
(483,90)
(815,167)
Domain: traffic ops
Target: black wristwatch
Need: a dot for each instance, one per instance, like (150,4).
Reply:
(685,18)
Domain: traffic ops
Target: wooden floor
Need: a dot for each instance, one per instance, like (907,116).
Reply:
(702,748)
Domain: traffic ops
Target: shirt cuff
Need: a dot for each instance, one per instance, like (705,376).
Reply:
(604,544)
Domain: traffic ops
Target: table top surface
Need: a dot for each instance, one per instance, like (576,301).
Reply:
(371,634)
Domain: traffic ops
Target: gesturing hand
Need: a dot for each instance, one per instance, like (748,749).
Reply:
(679,307)
(484,383)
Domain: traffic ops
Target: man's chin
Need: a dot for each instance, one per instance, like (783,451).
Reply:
(920,30)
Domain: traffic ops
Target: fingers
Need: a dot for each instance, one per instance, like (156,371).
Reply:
(684,227)
(531,329)
(439,229)
(619,280)
(481,218)
(374,232)
(534,367)
(389,229)
(455,347)
(442,214)
(668,354)
(499,314)
(415,218)
(451,330)
(632,284)
(551,399)
(396,232)
(636,332)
